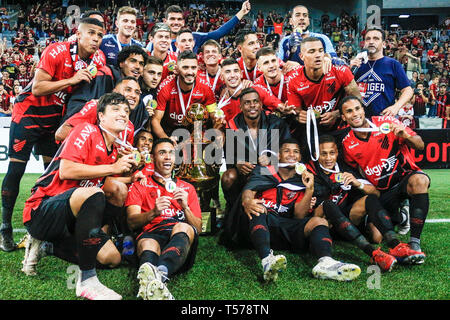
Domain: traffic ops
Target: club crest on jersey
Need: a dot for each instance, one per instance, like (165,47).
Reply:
(387,164)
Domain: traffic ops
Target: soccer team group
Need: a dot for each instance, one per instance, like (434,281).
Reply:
(102,111)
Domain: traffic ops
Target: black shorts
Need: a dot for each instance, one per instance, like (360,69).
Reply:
(287,233)
(391,199)
(162,234)
(23,138)
(53,220)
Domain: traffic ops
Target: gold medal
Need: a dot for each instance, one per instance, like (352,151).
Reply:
(147,158)
(170,186)
(316,114)
(171,66)
(153,104)
(220,113)
(299,168)
(384,128)
(339,177)
(92,69)
(137,156)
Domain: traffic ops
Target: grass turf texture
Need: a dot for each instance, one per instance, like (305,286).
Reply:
(219,274)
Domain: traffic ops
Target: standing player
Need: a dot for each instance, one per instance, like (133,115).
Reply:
(229,100)
(247,43)
(379,147)
(443,105)
(380,77)
(211,55)
(348,199)
(68,199)
(276,206)
(160,38)
(316,94)
(184,40)
(112,44)
(152,75)
(290,50)
(39,108)
(174,18)
(176,94)
(167,212)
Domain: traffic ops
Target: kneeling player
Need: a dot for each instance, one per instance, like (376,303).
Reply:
(168,212)
(348,200)
(68,200)
(379,146)
(277,205)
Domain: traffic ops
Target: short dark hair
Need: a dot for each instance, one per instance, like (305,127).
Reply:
(289,141)
(228,62)
(210,42)
(154,60)
(136,137)
(172,9)
(125,79)
(93,21)
(375,28)
(188,54)
(348,98)
(265,51)
(247,91)
(184,30)
(242,34)
(90,13)
(161,140)
(112,98)
(310,39)
(325,138)
(128,51)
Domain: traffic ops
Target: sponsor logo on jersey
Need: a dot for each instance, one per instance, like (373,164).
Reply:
(387,164)
(57,50)
(326,107)
(84,134)
(175,116)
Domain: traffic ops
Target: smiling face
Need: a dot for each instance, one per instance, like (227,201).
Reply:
(175,21)
(250,46)
(115,117)
(269,65)
(144,141)
(131,91)
(353,113)
(231,75)
(126,24)
(211,55)
(328,154)
(187,70)
(251,106)
(133,66)
(164,158)
(289,153)
(161,41)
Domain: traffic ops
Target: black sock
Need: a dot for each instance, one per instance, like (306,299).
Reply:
(320,242)
(112,216)
(175,253)
(418,211)
(259,235)
(345,227)
(10,191)
(148,256)
(87,230)
(66,249)
(380,218)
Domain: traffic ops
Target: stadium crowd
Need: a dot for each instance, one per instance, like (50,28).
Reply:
(101,95)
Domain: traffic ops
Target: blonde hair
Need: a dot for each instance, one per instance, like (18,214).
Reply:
(126,10)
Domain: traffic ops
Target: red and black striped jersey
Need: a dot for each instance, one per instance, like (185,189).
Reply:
(384,159)
(85,144)
(145,196)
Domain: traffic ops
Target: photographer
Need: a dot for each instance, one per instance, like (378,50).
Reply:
(419,101)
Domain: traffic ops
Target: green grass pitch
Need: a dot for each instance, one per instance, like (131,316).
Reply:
(219,274)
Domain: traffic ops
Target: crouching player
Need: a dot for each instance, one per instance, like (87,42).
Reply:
(277,205)
(348,200)
(379,147)
(168,213)
(67,200)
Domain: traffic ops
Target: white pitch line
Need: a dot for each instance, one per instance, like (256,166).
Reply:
(23,230)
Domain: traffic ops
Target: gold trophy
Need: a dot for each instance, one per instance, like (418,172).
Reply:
(202,176)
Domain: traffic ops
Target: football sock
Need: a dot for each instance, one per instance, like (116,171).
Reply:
(175,253)
(259,235)
(148,256)
(86,274)
(380,218)
(320,242)
(10,191)
(418,211)
(87,230)
(66,249)
(345,227)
